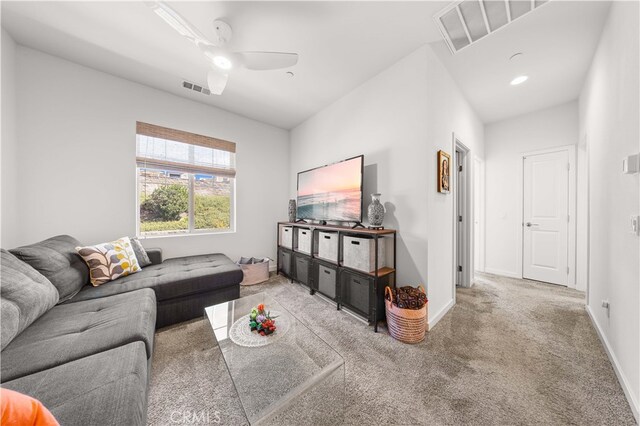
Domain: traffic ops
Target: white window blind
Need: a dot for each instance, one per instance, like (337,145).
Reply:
(168,149)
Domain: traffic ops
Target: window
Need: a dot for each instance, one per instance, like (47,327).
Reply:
(186,182)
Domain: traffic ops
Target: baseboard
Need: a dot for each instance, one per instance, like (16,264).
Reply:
(624,383)
(431,323)
(502,273)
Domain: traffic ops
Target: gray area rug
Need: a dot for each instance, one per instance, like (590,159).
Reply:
(509,352)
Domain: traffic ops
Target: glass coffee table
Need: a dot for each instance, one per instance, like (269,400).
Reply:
(289,377)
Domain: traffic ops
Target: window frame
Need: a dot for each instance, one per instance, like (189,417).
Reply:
(191,230)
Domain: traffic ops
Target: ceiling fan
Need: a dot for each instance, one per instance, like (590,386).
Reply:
(222,60)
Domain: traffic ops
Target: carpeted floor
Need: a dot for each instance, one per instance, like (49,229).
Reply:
(509,352)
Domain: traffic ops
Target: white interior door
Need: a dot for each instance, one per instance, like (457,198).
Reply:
(546,216)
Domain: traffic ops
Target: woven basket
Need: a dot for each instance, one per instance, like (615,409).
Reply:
(405,325)
(255,273)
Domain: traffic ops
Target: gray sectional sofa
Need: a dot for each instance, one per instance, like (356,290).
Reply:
(85,352)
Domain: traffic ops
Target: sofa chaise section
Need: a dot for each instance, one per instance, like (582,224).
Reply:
(184,286)
(72,331)
(108,388)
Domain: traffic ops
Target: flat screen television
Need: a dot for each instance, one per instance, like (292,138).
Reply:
(332,192)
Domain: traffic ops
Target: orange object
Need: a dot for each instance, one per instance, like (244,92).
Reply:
(261,308)
(22,410)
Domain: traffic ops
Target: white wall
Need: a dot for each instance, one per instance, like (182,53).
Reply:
(398,120)
(505,142)
(9,145)
(609,114)
(447,112)
(76,130)
(384,119)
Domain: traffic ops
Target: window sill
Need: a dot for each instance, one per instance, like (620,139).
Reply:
(195,234)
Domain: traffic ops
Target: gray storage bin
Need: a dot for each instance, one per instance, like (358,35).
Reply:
(285,262)
(359,253)
(301,268)
(304,240)
(356,293)
(286,236)
(328,246)
(327,280)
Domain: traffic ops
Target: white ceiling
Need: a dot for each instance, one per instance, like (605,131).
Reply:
(558,41)
(341,45)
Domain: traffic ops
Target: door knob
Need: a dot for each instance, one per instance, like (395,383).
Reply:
(529,224)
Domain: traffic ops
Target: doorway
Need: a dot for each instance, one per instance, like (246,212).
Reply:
(462,215)
(548,216)
(478,215)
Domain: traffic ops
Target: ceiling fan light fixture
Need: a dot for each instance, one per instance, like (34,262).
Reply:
(519,80)
(222,62)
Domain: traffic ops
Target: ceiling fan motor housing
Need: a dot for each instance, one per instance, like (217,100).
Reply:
(223,32)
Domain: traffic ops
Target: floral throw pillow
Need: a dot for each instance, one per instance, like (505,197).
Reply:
(109,261)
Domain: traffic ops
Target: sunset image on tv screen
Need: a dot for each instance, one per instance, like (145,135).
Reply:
(331,192)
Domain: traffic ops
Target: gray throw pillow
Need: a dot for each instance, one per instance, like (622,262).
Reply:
(56,259)
(141,253)
(25,296)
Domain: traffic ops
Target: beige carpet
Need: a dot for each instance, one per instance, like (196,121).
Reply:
(509,352)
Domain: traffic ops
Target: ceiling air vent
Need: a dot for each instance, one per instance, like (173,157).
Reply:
(196,88)
(464,22)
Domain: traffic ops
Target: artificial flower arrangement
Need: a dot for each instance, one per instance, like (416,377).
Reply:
(261,321)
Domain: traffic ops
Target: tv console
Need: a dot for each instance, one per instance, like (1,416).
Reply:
(359,291)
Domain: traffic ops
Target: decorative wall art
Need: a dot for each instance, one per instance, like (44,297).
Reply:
(444,172)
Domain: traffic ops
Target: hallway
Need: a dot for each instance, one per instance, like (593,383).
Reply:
(533,353)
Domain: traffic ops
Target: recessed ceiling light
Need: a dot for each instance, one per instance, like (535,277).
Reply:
(519,80)
(515,56)
(222,62)
(289,73)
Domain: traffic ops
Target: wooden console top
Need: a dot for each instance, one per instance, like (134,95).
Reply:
(340,228)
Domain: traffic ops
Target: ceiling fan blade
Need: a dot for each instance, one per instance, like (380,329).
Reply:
(178,23)
(217,82)
(261,61)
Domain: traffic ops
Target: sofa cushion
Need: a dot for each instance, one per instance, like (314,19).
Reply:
(56,259)
(108,388)
(25,296)
(75,330)
(141,253)
(155,255)
(109,261)
(178,277)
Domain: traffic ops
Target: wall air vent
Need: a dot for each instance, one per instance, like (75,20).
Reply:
(196,88)
(464,22)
